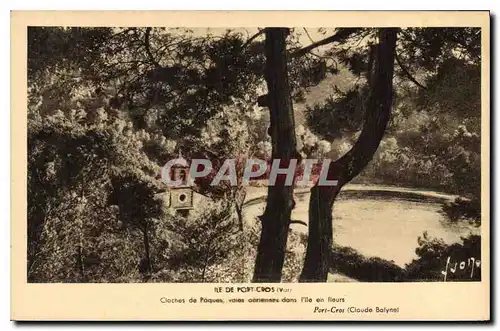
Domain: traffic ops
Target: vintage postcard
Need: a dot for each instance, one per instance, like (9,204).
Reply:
(320,166)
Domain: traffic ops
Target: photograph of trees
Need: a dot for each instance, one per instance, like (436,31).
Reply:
(396,110)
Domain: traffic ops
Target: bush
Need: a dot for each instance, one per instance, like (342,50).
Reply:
(460,262)
(436,257)
(463,209)
(351,263)
(198,244)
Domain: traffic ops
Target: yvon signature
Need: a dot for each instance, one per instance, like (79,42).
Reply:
(461,269)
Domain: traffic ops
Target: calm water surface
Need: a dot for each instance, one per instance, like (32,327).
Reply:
(386,228)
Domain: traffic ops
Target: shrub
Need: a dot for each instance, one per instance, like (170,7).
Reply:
(436,257)
(350,262)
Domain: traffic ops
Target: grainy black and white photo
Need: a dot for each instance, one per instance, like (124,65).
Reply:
(391,115)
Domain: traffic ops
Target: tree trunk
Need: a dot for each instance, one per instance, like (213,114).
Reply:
(319,244)
(80,263)
(239,199)
(316,263)
(276,217)
(147,257)
(205,261)
(239,213)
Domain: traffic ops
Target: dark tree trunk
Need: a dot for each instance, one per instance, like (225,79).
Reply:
(147,254)
(205,261)
(239,199)
(239,212)
(80,263)
(316,263)
(276,217)
(378,108)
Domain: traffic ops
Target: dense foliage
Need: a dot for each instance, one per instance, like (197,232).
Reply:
(431,262)
(107,107)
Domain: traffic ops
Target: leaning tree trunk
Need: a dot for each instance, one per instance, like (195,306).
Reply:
(378,108)
(147,254)
(276,217)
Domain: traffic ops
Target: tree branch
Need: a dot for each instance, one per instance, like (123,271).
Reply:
(308,35)
(252,38)
(407,72)
(298,222)
(148,48)
(377,112)
(340,35)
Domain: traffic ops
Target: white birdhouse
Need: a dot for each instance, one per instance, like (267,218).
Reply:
(181,196)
